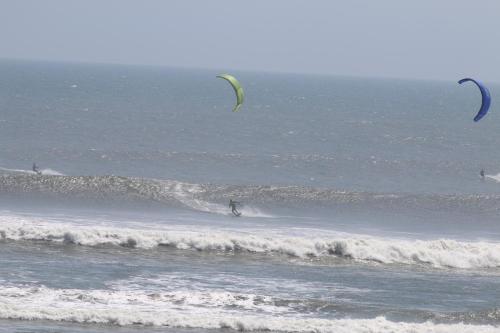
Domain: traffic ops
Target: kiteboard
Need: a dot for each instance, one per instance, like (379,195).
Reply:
(237,214)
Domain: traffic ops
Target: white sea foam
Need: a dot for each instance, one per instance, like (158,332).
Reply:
(437,253)
(192,310)
(51,172)
(250,211)
(494,177)
(185,193)
(302,296)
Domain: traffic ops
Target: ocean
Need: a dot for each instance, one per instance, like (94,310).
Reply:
(362,205)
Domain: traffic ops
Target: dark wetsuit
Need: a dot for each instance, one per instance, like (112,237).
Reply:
(482,173)
(232,205)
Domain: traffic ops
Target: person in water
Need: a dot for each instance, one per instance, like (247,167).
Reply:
(481,173)
(36,170)
(232,205)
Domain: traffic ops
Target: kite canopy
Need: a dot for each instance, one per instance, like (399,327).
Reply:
(486,98)
(237,89)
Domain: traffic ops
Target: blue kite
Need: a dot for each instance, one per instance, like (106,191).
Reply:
(486,98)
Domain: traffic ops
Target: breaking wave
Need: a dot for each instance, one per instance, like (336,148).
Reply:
(441,253)
(210,310)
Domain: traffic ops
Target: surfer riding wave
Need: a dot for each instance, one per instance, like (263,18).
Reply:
(232,205)
(35,169)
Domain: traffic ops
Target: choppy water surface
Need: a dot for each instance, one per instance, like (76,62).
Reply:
(363,210)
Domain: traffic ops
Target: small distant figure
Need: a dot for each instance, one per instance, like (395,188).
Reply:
(481,173)
(36,170)
(232,205)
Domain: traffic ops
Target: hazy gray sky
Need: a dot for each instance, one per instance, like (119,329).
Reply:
(437,39)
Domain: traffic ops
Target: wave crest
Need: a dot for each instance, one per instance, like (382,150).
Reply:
(442,253)
(213,198)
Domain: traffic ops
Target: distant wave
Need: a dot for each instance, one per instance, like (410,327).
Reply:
(46,171)
(209,310)
(213,198)
(441,253)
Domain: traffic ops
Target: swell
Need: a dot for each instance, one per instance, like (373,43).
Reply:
(440,253)
(213,197)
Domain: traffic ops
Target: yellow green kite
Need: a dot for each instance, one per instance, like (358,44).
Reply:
(240,96)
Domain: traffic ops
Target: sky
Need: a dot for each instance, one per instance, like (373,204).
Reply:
(420,39)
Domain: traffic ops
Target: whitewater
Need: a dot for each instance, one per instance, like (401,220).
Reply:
(294,242)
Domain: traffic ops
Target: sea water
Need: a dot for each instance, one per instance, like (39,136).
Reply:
(362,206)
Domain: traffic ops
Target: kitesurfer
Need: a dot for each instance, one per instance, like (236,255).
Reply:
(36,170)
(481,173)
(232,205)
